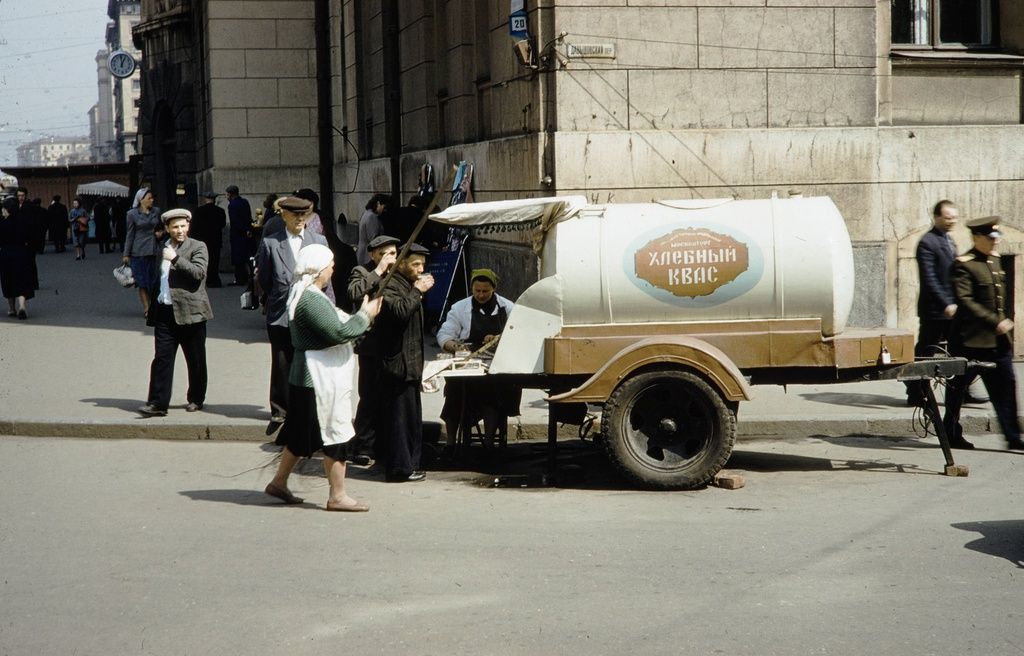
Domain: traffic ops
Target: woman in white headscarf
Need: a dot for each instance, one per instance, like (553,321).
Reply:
(320,403)
(144,230)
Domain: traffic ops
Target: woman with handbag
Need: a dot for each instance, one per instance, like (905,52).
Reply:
(79,219)
(320,403)
(143,230)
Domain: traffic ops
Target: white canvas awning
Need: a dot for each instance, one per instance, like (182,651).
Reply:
(504,212)
(102,188)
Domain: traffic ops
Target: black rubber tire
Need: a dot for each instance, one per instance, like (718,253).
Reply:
(668,430)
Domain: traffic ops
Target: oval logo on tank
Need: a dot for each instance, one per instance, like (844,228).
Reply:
(696,266)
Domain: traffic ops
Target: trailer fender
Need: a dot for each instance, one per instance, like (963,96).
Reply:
(680,351)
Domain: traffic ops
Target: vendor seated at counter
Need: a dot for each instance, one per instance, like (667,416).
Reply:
(471,323)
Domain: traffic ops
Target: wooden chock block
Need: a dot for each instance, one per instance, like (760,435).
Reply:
(958,470)
(729,480)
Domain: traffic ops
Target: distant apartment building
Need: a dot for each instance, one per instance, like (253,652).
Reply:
(54,151)
(113,120)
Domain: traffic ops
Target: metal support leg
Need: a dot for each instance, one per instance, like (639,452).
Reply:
(552,449)
(932,408)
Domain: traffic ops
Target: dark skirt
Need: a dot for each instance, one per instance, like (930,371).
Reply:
(144,271)
(301,430)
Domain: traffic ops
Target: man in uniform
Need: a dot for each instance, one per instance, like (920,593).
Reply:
(981,331)
(365,281)
(208,227)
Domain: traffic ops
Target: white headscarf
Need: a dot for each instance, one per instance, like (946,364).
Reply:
(311,261)
(139,195)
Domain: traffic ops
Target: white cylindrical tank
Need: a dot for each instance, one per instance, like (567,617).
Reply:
(705,260)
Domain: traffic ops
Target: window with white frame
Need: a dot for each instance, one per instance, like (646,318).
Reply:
(943,23)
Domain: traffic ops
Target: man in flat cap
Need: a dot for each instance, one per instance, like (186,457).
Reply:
(275,262)
(365,281)
(208,227)
(178,316)
(982,331)
(471,323)
(242,241)
(397,340)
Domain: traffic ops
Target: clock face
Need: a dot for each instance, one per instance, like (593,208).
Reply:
(121,64)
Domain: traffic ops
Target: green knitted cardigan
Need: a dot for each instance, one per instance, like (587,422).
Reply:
(317,326)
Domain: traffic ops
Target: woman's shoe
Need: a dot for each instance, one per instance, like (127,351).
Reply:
(22,314)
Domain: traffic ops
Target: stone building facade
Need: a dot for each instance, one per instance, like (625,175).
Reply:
(884,106)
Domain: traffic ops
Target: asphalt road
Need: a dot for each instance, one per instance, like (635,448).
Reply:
(837,546)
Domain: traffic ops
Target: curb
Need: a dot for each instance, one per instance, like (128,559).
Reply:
(253,431)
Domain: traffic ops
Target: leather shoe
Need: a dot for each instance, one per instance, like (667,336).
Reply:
(193,407)
(960,444)
(150,410)
(1015,445)
(412,477)
(362,460)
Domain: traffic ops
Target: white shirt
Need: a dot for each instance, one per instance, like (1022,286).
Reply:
(165,285)
(295,242)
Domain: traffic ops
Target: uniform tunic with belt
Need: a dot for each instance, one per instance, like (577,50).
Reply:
(321,377)
(979,284)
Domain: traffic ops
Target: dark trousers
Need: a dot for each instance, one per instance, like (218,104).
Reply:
(1000,382)
(167,337)
(213,266)
(399,426)
(369,405)
(932,333)
(281,352)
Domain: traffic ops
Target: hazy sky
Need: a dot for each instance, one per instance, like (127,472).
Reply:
(47,69)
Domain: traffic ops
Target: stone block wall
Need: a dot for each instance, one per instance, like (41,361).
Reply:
(261,96)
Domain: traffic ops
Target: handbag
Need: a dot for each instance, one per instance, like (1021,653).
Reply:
(123,275)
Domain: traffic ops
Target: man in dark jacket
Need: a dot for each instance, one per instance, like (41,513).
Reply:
(243,245)
(275,264)
(982,331)
(58,213)
(397,339)
(935,303)
(178,315)
(208,227)
(365,281)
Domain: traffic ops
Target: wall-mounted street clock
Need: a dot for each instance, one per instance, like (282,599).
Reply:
(121,64)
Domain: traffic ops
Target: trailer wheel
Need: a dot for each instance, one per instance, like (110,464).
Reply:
(668,430)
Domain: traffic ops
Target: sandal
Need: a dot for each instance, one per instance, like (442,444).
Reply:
(352,507)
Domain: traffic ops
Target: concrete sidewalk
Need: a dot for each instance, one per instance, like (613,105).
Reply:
(79,366)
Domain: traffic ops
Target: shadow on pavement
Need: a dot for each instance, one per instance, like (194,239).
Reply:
(857,400)
(781,462)
(243,498)
(228,410)
(1004,539)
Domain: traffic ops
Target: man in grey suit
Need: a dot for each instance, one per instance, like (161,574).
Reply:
(275,261)
(178,316)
